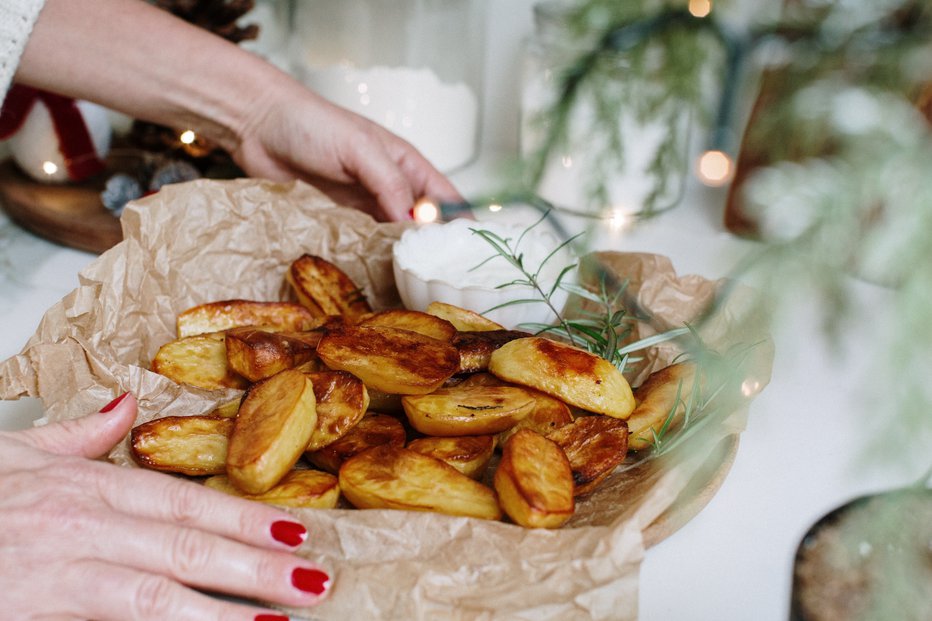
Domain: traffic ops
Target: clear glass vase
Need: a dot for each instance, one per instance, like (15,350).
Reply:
(614,158)
(414,66)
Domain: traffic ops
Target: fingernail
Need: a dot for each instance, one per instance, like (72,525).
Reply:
(272,618)
(310,580)
(113,403)
(290,533)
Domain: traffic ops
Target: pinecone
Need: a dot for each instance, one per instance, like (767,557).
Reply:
(217,16)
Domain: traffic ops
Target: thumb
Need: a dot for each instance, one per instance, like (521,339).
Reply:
(91,436)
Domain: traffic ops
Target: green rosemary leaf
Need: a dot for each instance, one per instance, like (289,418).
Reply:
(656,339)
(582,292)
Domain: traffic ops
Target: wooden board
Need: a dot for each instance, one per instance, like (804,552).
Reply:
(700,490)
(71,214)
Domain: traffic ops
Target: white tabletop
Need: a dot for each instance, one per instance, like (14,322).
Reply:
(805,451)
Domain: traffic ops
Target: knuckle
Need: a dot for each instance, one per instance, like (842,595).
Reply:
(269,571)
(184,504)
(190,553)
(153,598)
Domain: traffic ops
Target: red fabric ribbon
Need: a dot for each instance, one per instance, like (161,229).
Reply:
(74,139)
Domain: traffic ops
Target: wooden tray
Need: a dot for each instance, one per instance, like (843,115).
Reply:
(701,488)
(71,215)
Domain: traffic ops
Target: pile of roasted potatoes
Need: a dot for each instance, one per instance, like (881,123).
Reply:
(440,411)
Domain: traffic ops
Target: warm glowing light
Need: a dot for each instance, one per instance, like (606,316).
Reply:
(187,137)
(495,207)
(618,220)
(750,387)
(700,8)
(714,168)
(49,168)
(425,211)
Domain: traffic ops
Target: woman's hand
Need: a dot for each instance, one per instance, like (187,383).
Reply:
(84,539)
(294,133)
(143,61)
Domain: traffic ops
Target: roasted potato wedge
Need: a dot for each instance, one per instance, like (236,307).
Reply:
(461,318)
(468,454)
(388,477)
(567,373)
(394,361)
(372,430)
(548,413)
(272,429)
(384,402)
(227,409)
(663,395)
(226,314)
(342,401)
(534,481)
(192,445)
(325,289)
(594,445)
(467,411)
(309,489)
(415,321)
(475,348)
(256,354)
(199,361)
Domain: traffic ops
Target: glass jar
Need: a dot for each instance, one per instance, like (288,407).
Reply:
(602,169)
(414,66)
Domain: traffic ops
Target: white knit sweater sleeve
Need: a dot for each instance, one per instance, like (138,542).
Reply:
(17,18)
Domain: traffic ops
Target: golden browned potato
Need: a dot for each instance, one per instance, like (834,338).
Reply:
(257,354)
(192,445)
(227,409)
(325,289)
(475,348)
(372,430)
(226,314)
(594,445)
(310,489)
(272,429)
(461,318)
(199,361)
(567,373)
(657,400)
(384,402)
(468,454)
(467,411)
(548,414)
(342,401)
(415,321)
(395,361)
(388,477)
(534,481)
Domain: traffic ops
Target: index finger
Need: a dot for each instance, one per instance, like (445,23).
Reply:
(161,497)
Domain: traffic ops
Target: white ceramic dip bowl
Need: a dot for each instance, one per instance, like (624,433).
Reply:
(448,263)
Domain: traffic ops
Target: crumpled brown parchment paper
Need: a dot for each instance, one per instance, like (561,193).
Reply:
(209,240)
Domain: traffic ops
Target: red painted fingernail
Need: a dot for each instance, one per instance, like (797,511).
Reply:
(272,618)
(290,533)
(310,580)
(113,403)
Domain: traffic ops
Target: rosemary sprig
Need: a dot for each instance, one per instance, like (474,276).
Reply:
(601,331)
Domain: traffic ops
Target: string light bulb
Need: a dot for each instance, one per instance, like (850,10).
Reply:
(49,168)
(495,207)
(700,8)
(425,211)
(715,168)
(187,137)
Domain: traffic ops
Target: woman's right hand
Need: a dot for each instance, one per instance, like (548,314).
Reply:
(84,539)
